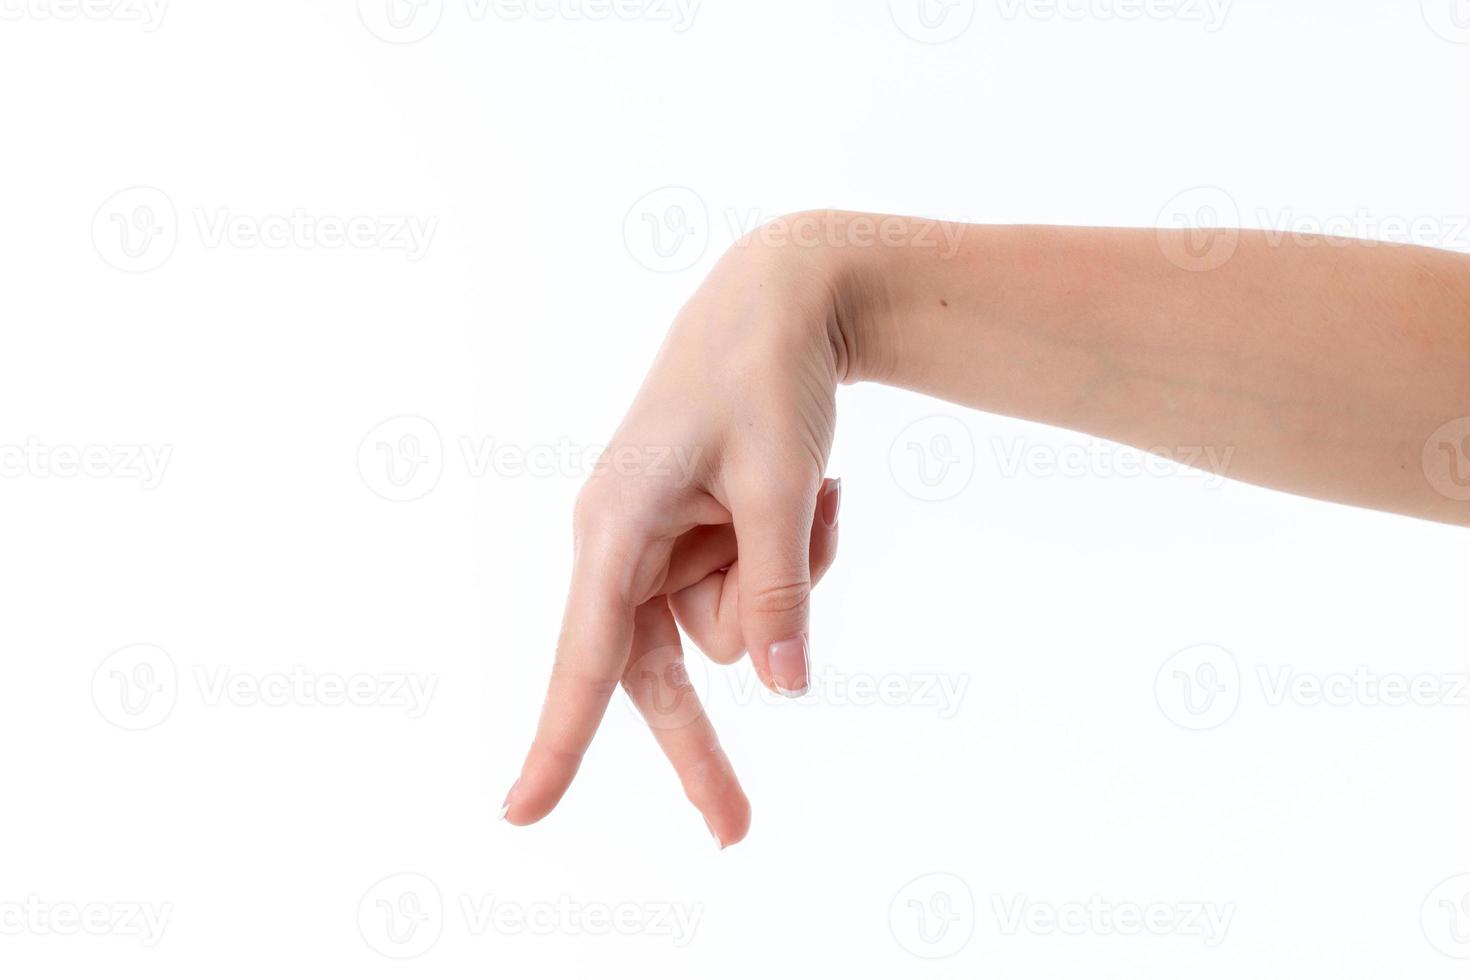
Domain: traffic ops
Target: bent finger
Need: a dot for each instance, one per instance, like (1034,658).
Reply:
(708,610)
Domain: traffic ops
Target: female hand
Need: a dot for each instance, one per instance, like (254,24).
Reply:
(1326,367)
(708,507)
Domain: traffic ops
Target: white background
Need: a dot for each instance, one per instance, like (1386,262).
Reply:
(263,828)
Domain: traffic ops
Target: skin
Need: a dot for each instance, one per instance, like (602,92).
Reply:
(1329,368)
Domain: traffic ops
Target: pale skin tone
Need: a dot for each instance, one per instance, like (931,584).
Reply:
(1323,367)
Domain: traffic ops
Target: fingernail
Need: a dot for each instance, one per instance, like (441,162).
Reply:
(505,807)
(714,835)
(788,662)
(831,501)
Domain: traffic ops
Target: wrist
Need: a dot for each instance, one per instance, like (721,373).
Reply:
(835,267)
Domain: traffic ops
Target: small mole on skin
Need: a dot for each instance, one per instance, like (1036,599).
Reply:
(944,303)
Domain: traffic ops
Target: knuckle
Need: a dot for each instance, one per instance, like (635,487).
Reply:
(609,506)
(566,673)
(555,751)
(597,517)
(763,489)
(589,510)
(781,596)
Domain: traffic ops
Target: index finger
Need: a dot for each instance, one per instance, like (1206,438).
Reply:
(597,630)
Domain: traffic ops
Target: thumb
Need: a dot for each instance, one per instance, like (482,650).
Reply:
(773,535)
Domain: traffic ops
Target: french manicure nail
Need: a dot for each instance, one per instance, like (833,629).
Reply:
(831,501)
(788,660)
(714,835)
(505,807)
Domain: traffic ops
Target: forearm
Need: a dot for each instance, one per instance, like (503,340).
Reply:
(1323,368)
(1333,369)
